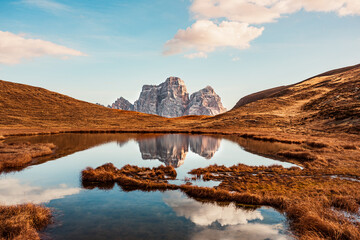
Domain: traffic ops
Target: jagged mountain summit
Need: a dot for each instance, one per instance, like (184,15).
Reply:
(171,99)
(122,103)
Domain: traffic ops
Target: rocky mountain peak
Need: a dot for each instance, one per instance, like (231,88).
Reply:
(174,81)
(171,99)
(205,102)
(122,103)
(208,89)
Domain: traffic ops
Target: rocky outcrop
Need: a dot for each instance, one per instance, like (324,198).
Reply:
(171,99)
(122,103)
(205,102)
(172,149)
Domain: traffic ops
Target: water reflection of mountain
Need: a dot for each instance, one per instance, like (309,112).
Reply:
(172,149)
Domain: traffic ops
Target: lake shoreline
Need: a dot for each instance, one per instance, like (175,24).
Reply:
(319,157)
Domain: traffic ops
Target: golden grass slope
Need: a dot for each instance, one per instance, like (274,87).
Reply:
(23,106)
(328,102)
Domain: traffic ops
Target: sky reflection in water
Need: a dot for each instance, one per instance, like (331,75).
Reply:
(114,214)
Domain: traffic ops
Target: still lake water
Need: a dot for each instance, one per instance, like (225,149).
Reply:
(114,214)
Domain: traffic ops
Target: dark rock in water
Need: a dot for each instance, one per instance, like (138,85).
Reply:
(171,99)
(122,103)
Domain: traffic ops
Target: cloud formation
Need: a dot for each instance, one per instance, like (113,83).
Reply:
(236,16)
(265,11)
(13,192)
(205,36)
(14,47)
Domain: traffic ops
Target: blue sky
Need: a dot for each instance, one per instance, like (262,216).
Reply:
(98,51)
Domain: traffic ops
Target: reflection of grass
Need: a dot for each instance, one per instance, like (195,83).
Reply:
(16,156)
(307,199)
(305,196)
(23,221)
(129,177)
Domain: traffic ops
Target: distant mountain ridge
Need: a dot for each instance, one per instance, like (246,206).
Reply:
(171,99)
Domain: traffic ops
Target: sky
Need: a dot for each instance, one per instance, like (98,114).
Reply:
(97,51)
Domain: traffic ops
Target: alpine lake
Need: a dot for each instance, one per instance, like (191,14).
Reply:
(79,213)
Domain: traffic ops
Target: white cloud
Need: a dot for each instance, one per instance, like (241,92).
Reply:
(196,55)
(14,47)
(13,192)
(265,11)
(46,5)
(234,10)
(205,36)
(236,16)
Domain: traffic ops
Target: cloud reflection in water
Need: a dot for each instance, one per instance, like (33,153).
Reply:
(13,192)
(234,222)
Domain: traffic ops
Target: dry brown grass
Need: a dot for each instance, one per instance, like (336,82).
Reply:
(320,116)
(307,199)
(19,155)
(303,156)
(321,105)
(23,221)
(129,177)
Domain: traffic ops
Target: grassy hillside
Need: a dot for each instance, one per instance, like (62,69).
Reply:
(329,102)
(24,108)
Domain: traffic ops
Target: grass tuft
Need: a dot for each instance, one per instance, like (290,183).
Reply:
(23,221)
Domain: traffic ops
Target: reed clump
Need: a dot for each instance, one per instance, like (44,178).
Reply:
(23,221)
(19,155)
(130,177)
(306,198)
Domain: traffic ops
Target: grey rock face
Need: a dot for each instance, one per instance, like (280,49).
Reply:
(147,102)
(205,102)
(171,99)
(122,103)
